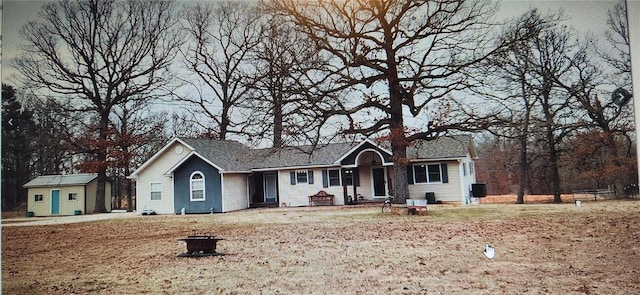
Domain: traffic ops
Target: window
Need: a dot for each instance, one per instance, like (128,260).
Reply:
(471,168)
(429,173)
(197,187)
(464,169)
(334,177)
(38,198)
(420,173)
(434,173)
(348,177)
(156,191)
(73,196)
(301,176)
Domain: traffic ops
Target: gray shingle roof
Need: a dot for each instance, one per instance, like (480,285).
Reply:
(229,155)
(60,180)
(301,156)
(456,146)
(234,156)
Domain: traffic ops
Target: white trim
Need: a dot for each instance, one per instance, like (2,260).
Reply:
(427,164)
(222,193)
(382,163)
(264,184)
(152,191)
(51,200)
(135,173)
(340,182)
(204,191)
(72,200)
(41,199)
(386,184)
(358,146)
(187,157)
(295,168)
(421,160)
(464,187)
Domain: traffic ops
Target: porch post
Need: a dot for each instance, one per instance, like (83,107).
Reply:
(353,182)
(344,185)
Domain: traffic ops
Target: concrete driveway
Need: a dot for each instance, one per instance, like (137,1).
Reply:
(35,221)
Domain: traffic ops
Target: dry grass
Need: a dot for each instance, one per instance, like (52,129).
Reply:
(542,248)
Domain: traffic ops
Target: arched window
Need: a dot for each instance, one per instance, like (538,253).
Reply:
(197,186)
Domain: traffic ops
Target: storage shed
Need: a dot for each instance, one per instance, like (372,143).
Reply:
(71,194)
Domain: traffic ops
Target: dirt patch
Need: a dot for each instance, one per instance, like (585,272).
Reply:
(542,248)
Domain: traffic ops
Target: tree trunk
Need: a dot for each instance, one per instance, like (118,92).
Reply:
(524,163)
(128,188)
(277,121)
(553,163)
(609,141)
(101,191)
(101,157)
(398,141)
(523,169)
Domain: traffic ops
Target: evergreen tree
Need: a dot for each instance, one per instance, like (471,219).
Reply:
(17,131)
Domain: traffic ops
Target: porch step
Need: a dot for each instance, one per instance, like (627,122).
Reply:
(264,205)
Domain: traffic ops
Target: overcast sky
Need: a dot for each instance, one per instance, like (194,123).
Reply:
(587,16)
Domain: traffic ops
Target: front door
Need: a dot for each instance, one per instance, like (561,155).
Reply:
(55,202)
(270,187)
(379,185)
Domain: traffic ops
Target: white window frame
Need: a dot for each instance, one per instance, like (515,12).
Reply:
(348,177)
(338,178)
(300,179)
(151,191)
(72,197)
(36,199)
(191,187)
(426,170)
(429,180)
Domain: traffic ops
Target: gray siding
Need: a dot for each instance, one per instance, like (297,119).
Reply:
(212,182)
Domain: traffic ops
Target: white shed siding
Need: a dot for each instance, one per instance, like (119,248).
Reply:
(234,192)
(66,207)
(91,199)
(446,192)
(155,173)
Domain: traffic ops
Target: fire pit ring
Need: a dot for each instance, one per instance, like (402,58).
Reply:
(201,245)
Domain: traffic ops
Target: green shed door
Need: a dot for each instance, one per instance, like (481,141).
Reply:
(55,202)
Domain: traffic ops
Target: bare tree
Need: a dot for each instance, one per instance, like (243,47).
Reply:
(283,94)
(602,116)
(221,34)
(513,71)
(136,131)
(617,53)
(95,55)
(398,58)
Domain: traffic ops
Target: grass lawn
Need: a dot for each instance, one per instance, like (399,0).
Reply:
(541,248)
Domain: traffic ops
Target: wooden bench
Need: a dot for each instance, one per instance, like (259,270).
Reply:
(322,198)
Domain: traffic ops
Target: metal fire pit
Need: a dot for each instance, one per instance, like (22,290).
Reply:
(201,245)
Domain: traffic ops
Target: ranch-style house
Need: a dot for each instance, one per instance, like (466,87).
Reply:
(205,176)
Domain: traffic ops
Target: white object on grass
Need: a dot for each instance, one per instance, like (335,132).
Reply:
(489,251)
